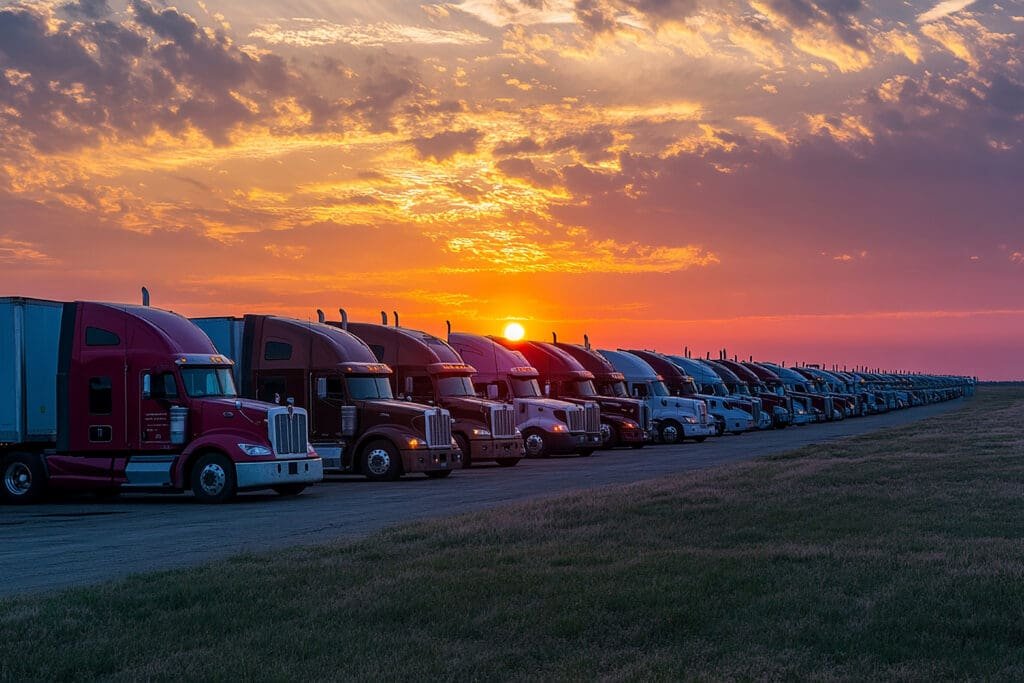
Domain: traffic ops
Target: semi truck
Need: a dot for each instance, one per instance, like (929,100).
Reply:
(611,387)
(800,406)
(549,426)
(355,421)
(612,420)
(108,397)
(801,387)
(675,418)
(428,370)
(738,389)
(781,407)
(731,414)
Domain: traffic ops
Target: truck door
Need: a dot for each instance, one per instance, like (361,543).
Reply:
(98,415)
(157,391)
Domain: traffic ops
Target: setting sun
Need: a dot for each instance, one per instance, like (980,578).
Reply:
(514,332)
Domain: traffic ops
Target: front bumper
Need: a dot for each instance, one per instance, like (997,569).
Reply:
(738,424)
(430,459)
(484,448)
(562,443)
(262,475)
(695,431)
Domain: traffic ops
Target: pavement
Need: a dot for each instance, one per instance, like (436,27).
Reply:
(83,540)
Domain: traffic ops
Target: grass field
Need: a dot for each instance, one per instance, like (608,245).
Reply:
(894,555)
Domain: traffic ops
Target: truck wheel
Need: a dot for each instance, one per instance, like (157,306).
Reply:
(289,490)
(213,479)
(463,444)
(536,446)
(438,474)
(700,439)
(586,452)
(671,432)
(719,428)
(609,436)
(636,445)
(381,461)
(507,462)
(24,479)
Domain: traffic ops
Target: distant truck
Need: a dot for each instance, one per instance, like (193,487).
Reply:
(674,418)
(355,421)
(564,378)
(428,370)
(109,397)
(780,407)
(549,427)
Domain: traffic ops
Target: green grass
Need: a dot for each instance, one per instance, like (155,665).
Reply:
(894,555)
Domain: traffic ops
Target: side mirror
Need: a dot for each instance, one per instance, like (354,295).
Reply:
(147,386)
(408,386)
(321,388)
(492,392)
(547,388)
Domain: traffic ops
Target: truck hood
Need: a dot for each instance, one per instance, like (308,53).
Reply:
(470,403)
(550,403)
(395,406)
(253,409)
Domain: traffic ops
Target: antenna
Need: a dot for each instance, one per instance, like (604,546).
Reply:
(396,318)
(320,317)
(383,318)
(554,337)
(448,324)
(686,352)
(586,341)
(145,296)
(344,318)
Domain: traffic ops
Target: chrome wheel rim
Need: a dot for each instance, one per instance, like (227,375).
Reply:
(212,479)
(18,479)
(670,434)
(534,444)
(606,433)
(378,461)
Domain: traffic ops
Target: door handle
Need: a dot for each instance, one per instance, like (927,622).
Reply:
(384,415)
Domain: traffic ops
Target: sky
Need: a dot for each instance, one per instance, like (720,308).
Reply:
(822,181)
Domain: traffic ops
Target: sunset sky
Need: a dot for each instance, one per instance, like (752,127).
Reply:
(813,180)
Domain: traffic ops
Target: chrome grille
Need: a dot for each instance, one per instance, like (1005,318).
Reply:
(575,419)
(642,416)
(756,411)
(288,432)
(503,421)
(593,417)
(438,428)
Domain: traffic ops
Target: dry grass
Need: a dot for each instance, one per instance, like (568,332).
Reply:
(896,555)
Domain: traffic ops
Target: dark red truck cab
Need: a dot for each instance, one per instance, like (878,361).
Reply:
(112,397)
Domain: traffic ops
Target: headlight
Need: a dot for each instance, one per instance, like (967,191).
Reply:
(481,432)
(559,428)
(690,419)
(255,450)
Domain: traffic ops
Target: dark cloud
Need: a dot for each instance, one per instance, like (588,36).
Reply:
(520,146)
(380,91)
(518,167)
(94,78)
(837,14)
(592,144)
(447,144)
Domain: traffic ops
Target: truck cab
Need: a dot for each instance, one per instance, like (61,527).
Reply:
(428,370)
(610,422)
(803,388)
(674,418)
(112,397)
(355,420)
(779,407)
(740,391)
(800,406)
(549,426)
(732,414)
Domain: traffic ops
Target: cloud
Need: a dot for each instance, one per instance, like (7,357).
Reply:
(308,32)
(445,145)
(943,9)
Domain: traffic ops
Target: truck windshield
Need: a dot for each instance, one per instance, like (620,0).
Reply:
(742,389)
(585,388)
(658,388)
(455,386)
(688,387)
(525,388)
(720,390)
(363,388)
(615,389)
(203,382)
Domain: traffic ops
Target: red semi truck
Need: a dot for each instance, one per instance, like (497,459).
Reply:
(356,423)
(111,397)
(427,369)
(563,377)
(549,427)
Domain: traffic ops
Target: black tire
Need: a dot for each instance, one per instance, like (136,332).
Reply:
(586,452)
(700,439)
(535,443)
(22,479)
(438,474)
(636,445)
(507,462)
(467,457)
(289,490)
(671,432)
(381,461)
(213,479)
(719,428)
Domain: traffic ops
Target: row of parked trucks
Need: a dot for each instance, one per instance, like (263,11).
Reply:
(108,398)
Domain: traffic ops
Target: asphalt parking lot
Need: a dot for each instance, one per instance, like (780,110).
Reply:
(85,540)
